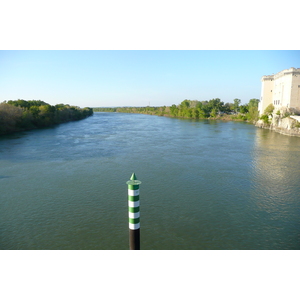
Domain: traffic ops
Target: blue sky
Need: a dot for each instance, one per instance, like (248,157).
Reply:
(137,78)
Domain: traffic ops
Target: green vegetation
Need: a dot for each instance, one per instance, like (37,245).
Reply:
(105,109)
(286,114)
(269,109)
(268,112)
(194,109)
(265,118)
(19,115)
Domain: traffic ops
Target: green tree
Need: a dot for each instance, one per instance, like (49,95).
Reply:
(243,109)
(216,105)
(185,104)
(214,112)
(227,108)
(237,103)
(253,114)
(195,113)
(253,102)
(16,115)
(10,118)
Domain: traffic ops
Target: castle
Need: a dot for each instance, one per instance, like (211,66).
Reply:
(282,90)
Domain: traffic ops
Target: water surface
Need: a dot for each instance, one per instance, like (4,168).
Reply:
(205,185)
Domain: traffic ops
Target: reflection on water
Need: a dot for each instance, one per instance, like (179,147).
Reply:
(206,185)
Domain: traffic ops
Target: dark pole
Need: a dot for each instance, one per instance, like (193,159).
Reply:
(134,212)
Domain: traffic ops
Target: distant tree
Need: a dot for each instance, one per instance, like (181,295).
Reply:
(243,109)
(253,114)
(185,104)
(237,103)
(227,108)
(215,104)
(174,110)
(213,112)
(195,113)
(10,118)
(16,115)
(253,102)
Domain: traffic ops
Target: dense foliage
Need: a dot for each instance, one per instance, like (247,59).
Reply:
(194,109)
(18,115)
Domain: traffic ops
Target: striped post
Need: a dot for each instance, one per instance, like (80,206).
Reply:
(134,212)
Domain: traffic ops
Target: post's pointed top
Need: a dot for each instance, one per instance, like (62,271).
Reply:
(133,180)
(133,177)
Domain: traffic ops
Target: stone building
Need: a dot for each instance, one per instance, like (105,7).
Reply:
(281,89)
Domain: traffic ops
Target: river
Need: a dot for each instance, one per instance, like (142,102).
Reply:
(205,185)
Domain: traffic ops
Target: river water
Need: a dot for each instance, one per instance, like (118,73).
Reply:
(205,185)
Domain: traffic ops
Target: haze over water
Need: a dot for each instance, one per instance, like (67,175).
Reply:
(205,185)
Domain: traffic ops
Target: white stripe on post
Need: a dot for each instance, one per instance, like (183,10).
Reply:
(133,203)
(134,226)
(133,192)
(134,215)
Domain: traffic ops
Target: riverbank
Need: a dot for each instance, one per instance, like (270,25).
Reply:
(282,121)
(21,115)
(213,109)
(286,126)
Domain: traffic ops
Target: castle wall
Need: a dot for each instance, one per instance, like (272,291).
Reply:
(295,91)
(281,89)
(266,98)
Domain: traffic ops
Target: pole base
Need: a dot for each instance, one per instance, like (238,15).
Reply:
(134,239)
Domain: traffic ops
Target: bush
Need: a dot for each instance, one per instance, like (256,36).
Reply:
(269,109)
(265,118)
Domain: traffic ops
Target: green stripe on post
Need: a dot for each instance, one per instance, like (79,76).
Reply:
(133,187)
(134,221)
(134,209)
(133,198)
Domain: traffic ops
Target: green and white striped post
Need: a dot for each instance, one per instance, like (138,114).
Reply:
(134,212)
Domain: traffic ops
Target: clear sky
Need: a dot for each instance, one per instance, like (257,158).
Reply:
(137,78)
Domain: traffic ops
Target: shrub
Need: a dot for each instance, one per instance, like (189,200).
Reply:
(269,109)
(265,118)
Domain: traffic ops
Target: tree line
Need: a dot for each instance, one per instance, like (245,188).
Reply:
(194,109)
(19,115)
